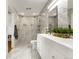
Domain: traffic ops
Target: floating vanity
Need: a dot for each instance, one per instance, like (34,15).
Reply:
(51,47)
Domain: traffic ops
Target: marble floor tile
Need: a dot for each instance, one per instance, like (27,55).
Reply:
(23,51)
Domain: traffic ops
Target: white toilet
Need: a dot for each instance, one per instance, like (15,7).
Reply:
(34,44)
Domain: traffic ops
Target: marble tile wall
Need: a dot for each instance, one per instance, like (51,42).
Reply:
(44,22)
(53,21)
(70,16)
(63,14)
(27,29)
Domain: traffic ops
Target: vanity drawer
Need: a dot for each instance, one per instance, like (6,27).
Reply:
(49,49)
(64,50)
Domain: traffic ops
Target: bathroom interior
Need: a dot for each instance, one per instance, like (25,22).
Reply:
(31,25)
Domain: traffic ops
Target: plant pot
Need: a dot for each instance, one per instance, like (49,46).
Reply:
(63,35)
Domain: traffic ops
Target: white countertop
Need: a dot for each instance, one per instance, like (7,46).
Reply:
(63,41)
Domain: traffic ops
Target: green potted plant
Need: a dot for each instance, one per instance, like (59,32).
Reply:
(62,32)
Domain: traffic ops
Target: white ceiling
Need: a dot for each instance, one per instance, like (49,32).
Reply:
(20,6)
(36,6)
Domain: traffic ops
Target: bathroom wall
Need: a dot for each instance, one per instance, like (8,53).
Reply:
(70,16)
(27,29)
(44,22)
(72,19)
(10,26)
(53,21)
(70,12)
(63,14)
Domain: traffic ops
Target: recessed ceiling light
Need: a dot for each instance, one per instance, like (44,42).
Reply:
(35,13)
(28,8)
(21,13)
